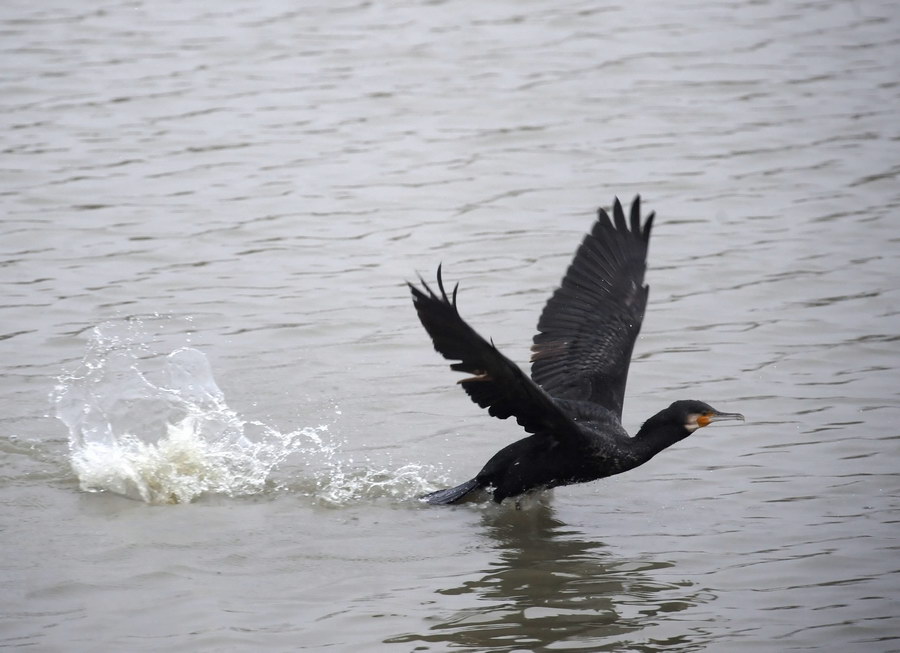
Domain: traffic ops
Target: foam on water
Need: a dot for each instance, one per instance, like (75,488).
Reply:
(156,427)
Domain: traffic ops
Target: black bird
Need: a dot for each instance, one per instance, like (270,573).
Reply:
(572,404)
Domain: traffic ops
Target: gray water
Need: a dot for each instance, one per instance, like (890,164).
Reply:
(257,181)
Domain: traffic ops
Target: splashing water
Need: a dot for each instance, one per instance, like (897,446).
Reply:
(157,428)
(341,486)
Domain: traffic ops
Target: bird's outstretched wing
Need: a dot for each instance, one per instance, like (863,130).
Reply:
(496,383)
(588,327)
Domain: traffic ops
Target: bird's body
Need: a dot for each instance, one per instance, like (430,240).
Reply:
(537,462)
(572,405)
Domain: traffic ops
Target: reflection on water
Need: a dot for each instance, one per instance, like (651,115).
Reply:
(553,587)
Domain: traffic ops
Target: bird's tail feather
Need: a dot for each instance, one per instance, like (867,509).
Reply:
(450,495)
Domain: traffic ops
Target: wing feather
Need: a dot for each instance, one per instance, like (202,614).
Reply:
(587,330)
(496,383)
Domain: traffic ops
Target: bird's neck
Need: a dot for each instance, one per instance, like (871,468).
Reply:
(654,436)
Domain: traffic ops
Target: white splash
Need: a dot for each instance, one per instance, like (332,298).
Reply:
(156,427)
(345,486)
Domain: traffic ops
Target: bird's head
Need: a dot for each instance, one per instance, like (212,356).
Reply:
(674,424)
(693,415)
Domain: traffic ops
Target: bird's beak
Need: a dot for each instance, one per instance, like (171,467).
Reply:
(723,417)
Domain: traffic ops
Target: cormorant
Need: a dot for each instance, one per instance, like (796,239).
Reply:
(572,404)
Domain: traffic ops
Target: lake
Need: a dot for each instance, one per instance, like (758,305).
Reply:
(209,215)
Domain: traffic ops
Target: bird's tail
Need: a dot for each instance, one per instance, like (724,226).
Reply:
(450,495)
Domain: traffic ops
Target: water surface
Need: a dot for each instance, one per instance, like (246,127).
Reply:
(257,181)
